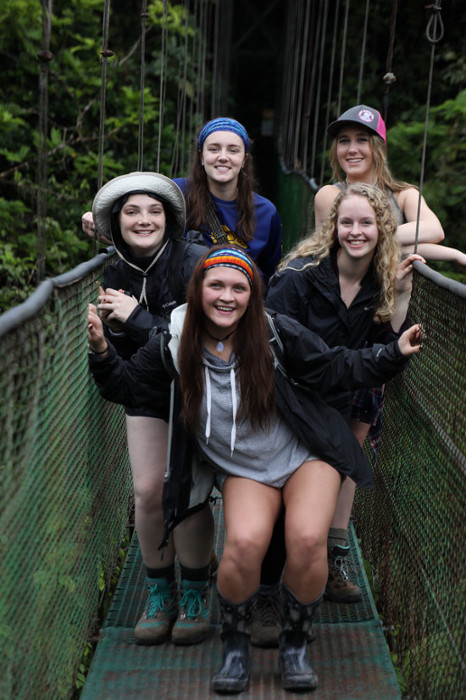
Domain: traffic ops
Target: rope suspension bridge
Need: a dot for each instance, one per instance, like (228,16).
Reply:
(66,491)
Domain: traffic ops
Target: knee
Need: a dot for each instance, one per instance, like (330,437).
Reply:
(243,551)
(306,546)
(148,494)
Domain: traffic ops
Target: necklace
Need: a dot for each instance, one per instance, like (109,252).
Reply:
(220,346)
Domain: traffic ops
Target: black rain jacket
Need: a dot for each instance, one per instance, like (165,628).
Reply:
(310,367)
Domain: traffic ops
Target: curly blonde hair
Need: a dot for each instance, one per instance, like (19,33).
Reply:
(387,252)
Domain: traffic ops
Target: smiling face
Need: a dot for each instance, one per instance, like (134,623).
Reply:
(223,155)
(357,229)
(225,298)
(142,224)
(354,155)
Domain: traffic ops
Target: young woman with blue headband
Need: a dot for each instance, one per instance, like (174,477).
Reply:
(257,418)
(220,197)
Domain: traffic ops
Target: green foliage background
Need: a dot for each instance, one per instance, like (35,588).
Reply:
(73,105)
(74,101)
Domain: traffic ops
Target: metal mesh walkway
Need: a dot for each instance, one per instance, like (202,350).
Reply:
(350,654)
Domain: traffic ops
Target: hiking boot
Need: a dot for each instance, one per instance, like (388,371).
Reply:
(192,624)
(266,623)
(339,587)
(159,614)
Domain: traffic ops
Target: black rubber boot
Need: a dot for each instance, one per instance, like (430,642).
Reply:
(233,676)
(295,672)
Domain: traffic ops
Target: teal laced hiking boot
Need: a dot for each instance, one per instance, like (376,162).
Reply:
(193,621)
(159,614)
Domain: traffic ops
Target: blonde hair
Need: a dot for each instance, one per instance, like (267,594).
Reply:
(387,252)
(383,174)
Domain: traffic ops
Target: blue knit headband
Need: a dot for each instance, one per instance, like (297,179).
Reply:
(224,124)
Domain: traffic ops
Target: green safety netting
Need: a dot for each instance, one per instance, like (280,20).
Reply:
(64,490)
(412,528)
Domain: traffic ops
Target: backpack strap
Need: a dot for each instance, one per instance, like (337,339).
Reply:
(215,225)
(276,346)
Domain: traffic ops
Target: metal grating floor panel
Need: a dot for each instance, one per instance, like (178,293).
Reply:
(349,655)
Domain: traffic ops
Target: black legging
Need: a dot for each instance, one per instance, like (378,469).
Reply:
(275,557)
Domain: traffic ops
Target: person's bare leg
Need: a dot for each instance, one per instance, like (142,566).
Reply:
(310,496)
(250,511)
(147,447)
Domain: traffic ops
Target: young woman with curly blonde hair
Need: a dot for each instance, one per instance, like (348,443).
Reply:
(346,283)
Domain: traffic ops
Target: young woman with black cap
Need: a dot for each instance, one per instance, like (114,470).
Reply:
(143,213)
(359,154)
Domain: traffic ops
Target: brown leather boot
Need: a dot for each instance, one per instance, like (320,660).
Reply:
(339,587)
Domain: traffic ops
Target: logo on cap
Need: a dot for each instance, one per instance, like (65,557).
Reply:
(366,116)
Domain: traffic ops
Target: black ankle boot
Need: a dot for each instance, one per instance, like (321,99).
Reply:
(233,676)
(295,672)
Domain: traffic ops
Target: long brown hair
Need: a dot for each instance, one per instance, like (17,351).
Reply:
(387,253)
(198,198)
(383,174)
(251,347)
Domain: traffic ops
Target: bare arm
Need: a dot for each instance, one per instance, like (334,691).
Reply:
(88,227)
(403,288)
(430,228)
(323,200)
(432,251)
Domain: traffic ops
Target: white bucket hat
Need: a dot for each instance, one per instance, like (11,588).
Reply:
(155,183)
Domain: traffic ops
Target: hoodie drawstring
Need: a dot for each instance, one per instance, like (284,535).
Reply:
(234,405)
(143,295)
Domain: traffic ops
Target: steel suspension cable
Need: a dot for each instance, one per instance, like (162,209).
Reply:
(144,16)
(287,94)
(215,64)
(329,91)
(319,84)
(162,82)
(302,108)
(202,56)
(314,62)
(104,55)
(389,77)
(343,54)
(45,56)
(363,54)
(294,119)
(434,33)
(308,87)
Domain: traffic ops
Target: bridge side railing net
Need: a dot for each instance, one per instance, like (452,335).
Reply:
(412,527)
(64,490)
